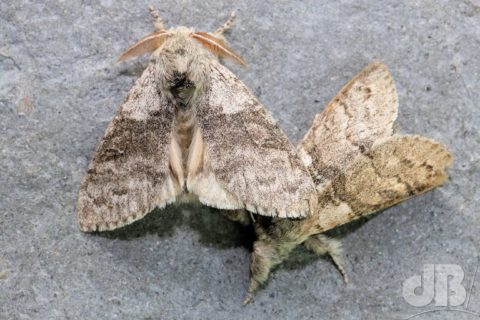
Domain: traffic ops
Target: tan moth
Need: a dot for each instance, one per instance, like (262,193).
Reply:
(359,167)
(190,127)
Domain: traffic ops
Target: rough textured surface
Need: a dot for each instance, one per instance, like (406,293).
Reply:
(59,89)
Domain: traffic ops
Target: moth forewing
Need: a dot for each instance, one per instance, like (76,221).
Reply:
(362,112)
(129,174)
(248,153)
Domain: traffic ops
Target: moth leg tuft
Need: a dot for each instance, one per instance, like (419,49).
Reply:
(251,290)
(158,23)
(321,245)
(262,259)
(267,254)
(227,25)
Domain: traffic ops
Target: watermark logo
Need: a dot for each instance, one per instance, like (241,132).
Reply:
(440,286)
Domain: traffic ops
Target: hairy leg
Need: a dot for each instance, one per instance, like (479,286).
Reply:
(275,242)
(321,245)
(158,23)
(265,256)
(227,25)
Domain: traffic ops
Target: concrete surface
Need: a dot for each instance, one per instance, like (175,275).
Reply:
(59,88)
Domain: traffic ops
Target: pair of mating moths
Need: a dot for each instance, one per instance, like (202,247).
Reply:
(190,127)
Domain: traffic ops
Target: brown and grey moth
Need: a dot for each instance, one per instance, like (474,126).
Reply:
(359,166)
(189,127)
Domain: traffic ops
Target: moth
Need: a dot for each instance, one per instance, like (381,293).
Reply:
(190,128)
(359,166)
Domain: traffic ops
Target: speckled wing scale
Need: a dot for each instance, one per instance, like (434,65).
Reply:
(248,153)
(137,141)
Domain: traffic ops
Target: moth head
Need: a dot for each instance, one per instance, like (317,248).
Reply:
(213,42)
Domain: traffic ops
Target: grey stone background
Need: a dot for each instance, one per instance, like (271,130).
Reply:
(59,88)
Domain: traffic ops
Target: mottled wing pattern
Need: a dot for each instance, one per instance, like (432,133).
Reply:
(129,173)
(361,113)
(250,157)
(395,169)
